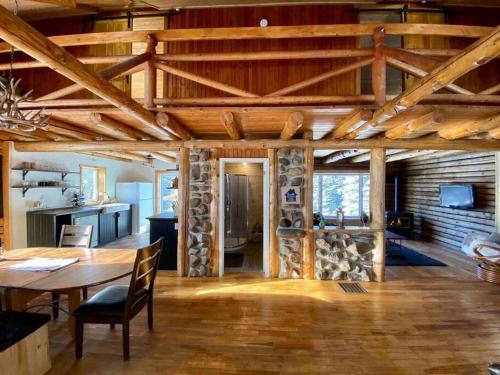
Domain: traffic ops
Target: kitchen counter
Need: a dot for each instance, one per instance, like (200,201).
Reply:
(66,210)
(162,216)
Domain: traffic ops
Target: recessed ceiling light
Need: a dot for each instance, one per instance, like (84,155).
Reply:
(263,22)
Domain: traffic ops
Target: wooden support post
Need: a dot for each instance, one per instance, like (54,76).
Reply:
(183,199)
(308,258)
(7,148)
(214,213)
(379,67)
(150,73)
(377,210)
(273,214)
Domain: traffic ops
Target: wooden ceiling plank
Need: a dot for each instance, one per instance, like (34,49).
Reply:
(229,122)
(365,156)
(292,125)
(470,127)
(205,81)
(61,3)
(431,118)
(18,33)
(321,77)
(419,73)
(169,122)
(129,66)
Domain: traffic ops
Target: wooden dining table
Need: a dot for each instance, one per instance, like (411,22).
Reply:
(94,267)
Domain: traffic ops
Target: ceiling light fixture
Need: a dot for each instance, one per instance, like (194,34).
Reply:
(11,116)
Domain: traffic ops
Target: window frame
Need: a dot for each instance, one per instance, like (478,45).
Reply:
(157,190)
(360,175)
(101,182)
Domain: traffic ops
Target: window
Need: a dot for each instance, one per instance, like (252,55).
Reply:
(351,191)
(166,193)
(93,183)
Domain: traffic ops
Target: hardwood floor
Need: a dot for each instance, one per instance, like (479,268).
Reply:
(423,320)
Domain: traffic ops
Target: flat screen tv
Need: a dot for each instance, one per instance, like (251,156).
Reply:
(457,196)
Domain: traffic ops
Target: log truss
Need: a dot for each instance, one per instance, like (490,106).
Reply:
(458,119)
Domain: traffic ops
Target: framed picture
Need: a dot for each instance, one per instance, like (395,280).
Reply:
(291,195)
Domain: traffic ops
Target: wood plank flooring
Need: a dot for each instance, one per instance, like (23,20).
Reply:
(423,320)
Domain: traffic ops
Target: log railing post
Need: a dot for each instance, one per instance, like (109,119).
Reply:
(377,210)
(150,73)
(379,67)
(214,213)
(183,199)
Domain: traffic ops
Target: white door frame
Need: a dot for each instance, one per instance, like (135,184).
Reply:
(265,194)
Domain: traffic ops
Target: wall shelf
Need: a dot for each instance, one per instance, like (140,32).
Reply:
(26,188)
(61,172)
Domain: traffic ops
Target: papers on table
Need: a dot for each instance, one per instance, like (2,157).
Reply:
(43,264)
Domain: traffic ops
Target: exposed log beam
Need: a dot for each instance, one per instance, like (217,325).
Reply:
(365,156)
(491,90)
(270,32)
(340,155)
(420,123)
(470,127)
(61,3)
(293,123)
(129,66)
(261,101)
(205,81)
(414,59)
(352,122)
(169,122)
(408,155)
(495,133)
(18,33)
(473,56)
(425,143)
(267,55)
(321,77)
(229,122)
(419,73)
(109,126)
(379,67)
(31,64)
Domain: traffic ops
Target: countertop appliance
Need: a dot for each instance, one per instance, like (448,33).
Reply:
(140,196)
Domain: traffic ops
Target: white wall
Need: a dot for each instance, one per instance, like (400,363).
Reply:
(117,171)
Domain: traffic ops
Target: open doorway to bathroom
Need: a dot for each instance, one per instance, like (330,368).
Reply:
(244,213)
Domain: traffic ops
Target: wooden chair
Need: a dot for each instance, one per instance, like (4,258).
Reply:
(72,236)
(118,304)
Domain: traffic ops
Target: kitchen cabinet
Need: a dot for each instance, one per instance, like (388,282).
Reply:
(89,220)
(164,225)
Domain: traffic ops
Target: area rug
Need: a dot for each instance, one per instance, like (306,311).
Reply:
(403,256)
(233,260)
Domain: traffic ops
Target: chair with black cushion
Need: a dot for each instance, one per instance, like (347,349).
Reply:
(118,304)
(72,236)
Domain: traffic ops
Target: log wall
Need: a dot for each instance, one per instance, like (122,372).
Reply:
(447,226)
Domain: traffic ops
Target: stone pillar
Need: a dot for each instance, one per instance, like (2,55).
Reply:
(199,225)
(291,226)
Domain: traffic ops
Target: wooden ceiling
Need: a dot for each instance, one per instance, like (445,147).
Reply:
(435,109)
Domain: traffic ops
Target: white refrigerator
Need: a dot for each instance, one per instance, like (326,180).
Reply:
(140,196)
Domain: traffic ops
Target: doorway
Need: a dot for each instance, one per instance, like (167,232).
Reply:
(244,215)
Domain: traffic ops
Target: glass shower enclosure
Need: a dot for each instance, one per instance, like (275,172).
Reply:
(236,212)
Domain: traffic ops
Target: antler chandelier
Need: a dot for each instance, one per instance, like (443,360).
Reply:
(11,115)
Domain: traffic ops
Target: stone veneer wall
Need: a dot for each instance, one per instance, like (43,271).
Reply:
(291,231)
(340,256)
(199,225)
